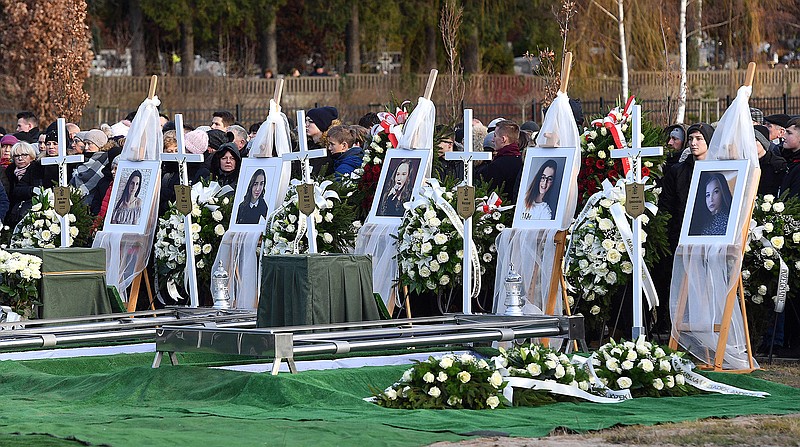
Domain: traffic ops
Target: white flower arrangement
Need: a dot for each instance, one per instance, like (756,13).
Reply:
(334,221)
(41,227)
(20,275)
(642,367)
(775,235)
(211,211)
(450,381)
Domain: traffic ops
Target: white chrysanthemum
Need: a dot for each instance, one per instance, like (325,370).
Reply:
(327,238)
(219,230)
(444,280)
(440,238)
(424,272)
(768,264)
(429,214)
(796,238)
(487,257)
(624,382)
(594,310)
(207,248)
(434,266)
(533,369)
(446,362)
(646,365)
(428,377)
(442,257)
(679,379)
(664,365)
(426,247)
(560,372)
(605,224)
(778,207)
(769,198)
(442,376)
(434,391)
(464,376)
(627,267)
(777,242)
(493,402)
(608,244)
(765,207)
(217,215)
(658,384)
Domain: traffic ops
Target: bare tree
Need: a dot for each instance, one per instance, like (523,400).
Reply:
(623,47)
(682,90)
(449,25)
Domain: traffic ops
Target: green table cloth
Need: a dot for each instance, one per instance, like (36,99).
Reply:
(73,282)
(299,290)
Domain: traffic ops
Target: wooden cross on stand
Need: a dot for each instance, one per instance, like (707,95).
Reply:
(635,201)
(61,193)
(305,192)
(466,205)
(183,201)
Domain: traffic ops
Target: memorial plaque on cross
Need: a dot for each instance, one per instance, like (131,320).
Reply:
(303,155)
(183,194)
(635,153)
(62,160)
(466,189)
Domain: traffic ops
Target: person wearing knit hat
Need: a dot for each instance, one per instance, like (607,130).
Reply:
(51,143)
(196,141)
(216,138)
(773,166)
(677,179)
(89,177)
(318,121)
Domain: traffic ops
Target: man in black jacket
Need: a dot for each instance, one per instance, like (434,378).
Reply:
(791,152)
(507,162)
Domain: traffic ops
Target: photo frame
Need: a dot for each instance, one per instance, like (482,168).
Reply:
(541,204)
(132,196)
(715,199)
(408,168)
(256,198)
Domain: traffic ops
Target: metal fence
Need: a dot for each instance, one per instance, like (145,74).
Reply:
(661,112)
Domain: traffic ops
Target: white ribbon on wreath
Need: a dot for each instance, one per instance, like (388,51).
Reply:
(321,197)
(432,191)
(757,233)
(616,193)
(202,194)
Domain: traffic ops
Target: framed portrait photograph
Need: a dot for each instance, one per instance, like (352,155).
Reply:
(541,202)
(132,196)
(400,181)
(715,199)
(258,193)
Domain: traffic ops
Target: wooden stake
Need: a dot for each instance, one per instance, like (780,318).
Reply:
(153,83)
(278,91)
(751,74)
(566,69)
(431,83)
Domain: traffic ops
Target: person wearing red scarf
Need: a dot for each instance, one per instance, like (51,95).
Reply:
(506,164)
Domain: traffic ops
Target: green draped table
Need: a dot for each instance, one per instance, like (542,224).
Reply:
(298,290)
(73,282)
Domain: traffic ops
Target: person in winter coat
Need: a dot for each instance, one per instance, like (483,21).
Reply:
(677,179)
(344,150)
(23,175)
(507,162)
(225,165)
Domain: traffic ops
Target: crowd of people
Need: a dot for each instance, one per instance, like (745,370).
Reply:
(224,142)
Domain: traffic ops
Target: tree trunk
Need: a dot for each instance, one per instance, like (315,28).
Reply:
(470,54)
(682,42)
(431,36)
(353,41)
(269,39)
(623,49)
(187,56)
(138,59)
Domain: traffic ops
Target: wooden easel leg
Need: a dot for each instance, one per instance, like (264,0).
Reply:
(148,289)
(391,303)
(746,326)
(133,298)
(725,327)
(678,320)
(408,302)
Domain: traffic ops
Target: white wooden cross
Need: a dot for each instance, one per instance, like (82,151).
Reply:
(304,155)
(467,156)
(636,152)
(182,157)
(62,160)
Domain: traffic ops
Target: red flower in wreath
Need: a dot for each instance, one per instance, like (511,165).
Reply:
(600,164)
(645,171)
(612,174)
(589,161)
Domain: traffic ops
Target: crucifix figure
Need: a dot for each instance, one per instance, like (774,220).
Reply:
(305,192)
(635,153)
(62,160)
(183,197)
(466,201)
